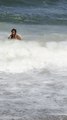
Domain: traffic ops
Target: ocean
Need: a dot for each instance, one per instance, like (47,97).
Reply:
(34,11)
(33,71)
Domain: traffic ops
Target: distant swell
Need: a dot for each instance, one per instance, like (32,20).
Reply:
(31,2)
(34,11)
(21,2)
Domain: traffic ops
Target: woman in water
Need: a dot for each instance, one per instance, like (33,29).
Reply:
(14,35)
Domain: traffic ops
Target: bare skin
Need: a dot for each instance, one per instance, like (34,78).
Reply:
(14,36)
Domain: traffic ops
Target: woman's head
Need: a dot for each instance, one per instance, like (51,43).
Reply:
(13,31)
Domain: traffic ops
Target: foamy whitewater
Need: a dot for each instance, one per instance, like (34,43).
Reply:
(33,73)
(23,56)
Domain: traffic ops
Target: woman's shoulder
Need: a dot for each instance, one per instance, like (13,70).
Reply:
(18,37)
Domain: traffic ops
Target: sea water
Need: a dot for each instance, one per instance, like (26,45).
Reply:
(37,50)
(33,71)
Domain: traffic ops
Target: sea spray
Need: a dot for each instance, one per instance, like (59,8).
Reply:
(23,56)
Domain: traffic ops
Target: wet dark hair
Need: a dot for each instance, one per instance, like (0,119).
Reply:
(12,31)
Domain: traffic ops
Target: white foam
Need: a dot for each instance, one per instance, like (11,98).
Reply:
(22,56)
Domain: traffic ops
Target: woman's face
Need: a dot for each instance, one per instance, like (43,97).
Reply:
(13,33)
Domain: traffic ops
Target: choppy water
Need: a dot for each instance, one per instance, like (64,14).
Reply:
(38,95)
(34,11)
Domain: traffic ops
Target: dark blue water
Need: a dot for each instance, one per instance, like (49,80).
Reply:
(53,12)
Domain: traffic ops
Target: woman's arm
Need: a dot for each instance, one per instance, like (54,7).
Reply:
(9,37)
